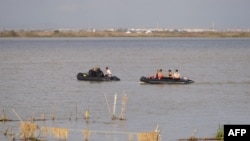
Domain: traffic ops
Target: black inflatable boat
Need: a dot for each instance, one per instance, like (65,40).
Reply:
(165,80)
(87,77)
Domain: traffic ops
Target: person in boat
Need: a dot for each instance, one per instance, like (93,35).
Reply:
(108,72)
(99,73)
(176,75)
(96,72)
(92,72)
(156,75)
(159,74)
(170,74)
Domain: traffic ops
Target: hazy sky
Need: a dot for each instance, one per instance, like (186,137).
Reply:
(102,14)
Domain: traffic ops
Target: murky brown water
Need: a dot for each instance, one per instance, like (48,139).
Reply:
(38,76)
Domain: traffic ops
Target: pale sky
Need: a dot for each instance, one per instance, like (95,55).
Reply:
(103,14)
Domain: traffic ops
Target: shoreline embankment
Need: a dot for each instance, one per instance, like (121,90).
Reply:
(84,33)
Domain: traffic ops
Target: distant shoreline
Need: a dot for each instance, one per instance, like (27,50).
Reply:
(83,33)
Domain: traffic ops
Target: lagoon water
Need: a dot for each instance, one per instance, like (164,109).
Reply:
(38,77)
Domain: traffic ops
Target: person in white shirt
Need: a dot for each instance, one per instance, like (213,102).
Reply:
(176,75)
(108,72)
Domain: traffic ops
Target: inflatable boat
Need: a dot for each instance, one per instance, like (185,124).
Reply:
(166,80)
(87,77)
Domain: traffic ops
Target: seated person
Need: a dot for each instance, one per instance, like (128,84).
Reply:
(156,75)
(99,73)
(96,72)
(92,73)
(170,74)
(108,72)
(160,74)
(176,75)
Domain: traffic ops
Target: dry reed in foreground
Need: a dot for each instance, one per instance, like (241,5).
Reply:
(28,130)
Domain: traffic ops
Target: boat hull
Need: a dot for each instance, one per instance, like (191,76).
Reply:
(86,77)
(165,80)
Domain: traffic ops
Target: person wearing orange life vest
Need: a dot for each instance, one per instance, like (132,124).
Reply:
(160,74)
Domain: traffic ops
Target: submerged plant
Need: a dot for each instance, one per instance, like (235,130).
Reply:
(220,133)
(3,117)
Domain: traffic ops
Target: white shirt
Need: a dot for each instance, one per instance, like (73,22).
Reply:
(108,72)
(176,75)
